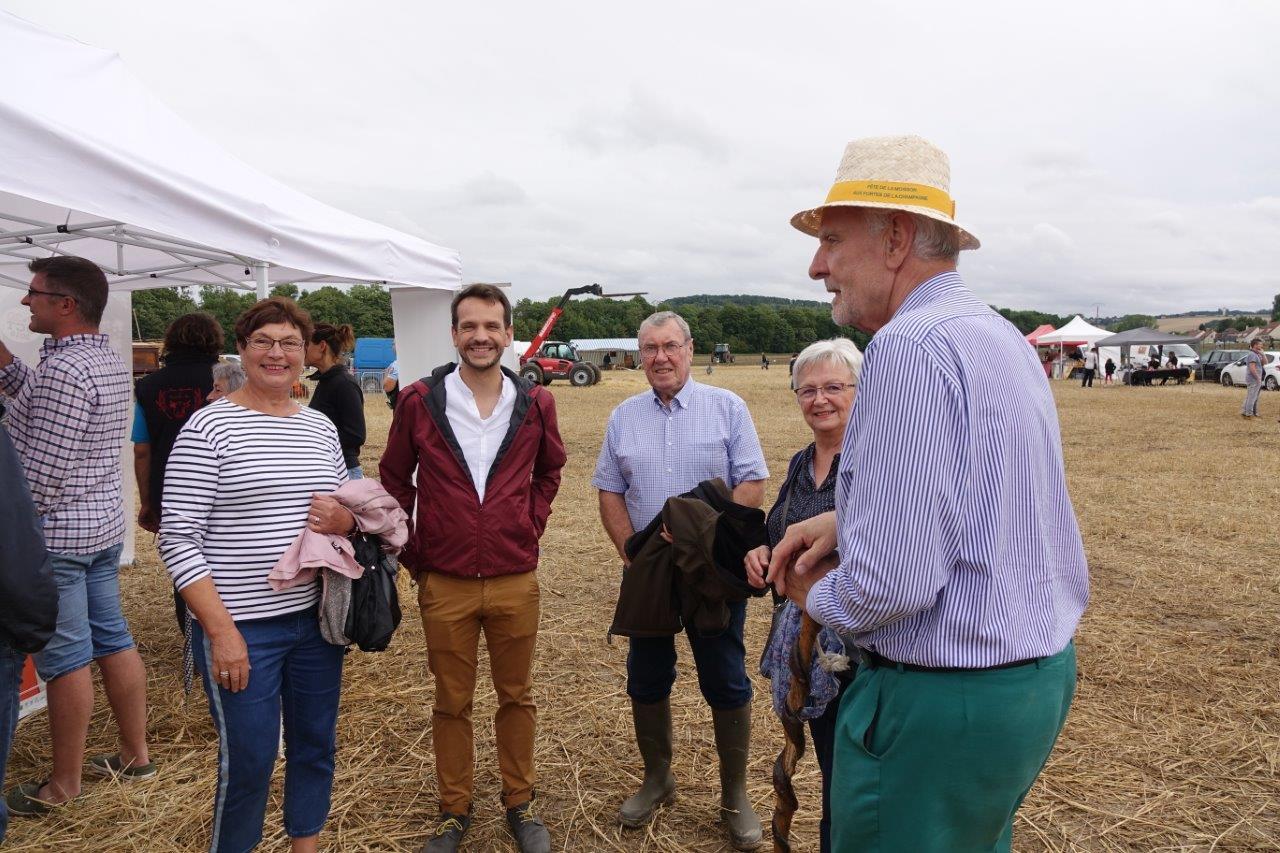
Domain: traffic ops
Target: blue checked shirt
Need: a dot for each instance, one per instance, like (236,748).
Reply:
(652,452)
(958,542)
(67,419)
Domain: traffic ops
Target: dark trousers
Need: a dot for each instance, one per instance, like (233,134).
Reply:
(721,662)
(10,681)
(295,671)
(823,732)
(1087,380)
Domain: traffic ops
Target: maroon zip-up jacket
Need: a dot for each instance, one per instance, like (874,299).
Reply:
(452,532)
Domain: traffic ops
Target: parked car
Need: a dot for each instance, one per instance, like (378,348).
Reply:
(1187,356)
(1211,363)
(1234,373)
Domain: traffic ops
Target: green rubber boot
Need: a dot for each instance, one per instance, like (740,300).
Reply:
(653,737)
(733,744)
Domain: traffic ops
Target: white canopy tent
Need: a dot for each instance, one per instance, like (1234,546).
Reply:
(1078,331)
(97,167)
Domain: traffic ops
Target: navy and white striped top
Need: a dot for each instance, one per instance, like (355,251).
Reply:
(236,493)
(958,543)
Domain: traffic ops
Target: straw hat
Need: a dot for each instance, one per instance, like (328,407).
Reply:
(891,173)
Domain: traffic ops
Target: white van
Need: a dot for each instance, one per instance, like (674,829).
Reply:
(1187,356)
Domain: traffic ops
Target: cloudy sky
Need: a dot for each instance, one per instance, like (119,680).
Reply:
(1115,154)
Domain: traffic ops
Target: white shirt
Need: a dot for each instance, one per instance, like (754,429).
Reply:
(1090,360)
(478,437)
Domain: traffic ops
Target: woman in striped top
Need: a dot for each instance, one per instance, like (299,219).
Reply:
(241,484)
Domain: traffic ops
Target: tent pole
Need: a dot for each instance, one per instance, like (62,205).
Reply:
(260,277)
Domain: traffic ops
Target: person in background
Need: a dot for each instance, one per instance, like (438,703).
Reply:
(391,380)
(1110,371)
(1172,362)
(953,560)
(826,378)
(474,456)
(228,376)
(660,444)
(28,595)
(166,399)
(338,394)
(1090,367)
(1254,364)
(764,361)
(67,419)
(246,475)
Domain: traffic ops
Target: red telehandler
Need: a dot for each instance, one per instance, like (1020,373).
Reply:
(546,360)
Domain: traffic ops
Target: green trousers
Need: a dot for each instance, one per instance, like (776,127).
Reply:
(933,761)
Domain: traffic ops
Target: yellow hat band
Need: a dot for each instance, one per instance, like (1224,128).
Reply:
(893,192)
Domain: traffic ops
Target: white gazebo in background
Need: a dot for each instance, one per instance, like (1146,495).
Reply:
(1078,333)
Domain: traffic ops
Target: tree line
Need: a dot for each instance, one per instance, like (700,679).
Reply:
(747,323)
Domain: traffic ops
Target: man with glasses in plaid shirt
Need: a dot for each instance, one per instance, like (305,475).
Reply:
(67,418)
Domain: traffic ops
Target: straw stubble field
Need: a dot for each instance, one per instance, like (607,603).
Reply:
(1173,742)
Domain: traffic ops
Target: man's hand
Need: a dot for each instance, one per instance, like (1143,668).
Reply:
(806,544)
(6,357)
(328,516)
(796,586)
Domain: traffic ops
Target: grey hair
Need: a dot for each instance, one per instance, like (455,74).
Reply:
(229,372)
(661,318)
(934,240)
(840,351)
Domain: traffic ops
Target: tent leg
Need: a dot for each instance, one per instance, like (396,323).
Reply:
(260,277)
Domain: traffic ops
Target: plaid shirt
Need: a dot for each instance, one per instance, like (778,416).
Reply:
(67,419)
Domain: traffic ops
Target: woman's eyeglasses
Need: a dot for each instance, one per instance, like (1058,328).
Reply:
(262,342)
(808,393)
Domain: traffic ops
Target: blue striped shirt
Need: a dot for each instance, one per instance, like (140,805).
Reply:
(652,451)
(958,543)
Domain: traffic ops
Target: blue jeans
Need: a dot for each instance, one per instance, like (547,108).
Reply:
(10,681)
(292,669)
(721,661)
(354,473)
(91,624)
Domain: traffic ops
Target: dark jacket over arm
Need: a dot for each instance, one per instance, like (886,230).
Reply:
(28,595)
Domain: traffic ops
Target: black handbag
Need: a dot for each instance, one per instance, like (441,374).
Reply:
(374,614)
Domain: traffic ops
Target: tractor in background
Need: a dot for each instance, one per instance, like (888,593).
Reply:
(546,360)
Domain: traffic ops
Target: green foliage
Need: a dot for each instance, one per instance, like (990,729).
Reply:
(1237,323)
(1028,321)
(1133,321)
(226,304)
(755,324)
(1275,308)
(154,310)
(288,291)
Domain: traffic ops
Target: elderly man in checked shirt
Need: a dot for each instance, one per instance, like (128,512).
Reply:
(660,444)
(953,560)
(67,419)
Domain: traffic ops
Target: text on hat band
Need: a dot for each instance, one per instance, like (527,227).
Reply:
(893,192)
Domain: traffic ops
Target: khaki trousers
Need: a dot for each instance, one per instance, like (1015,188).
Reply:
(454,610)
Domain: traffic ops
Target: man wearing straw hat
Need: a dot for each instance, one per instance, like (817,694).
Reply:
(953,559)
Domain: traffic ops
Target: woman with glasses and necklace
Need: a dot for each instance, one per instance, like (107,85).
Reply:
(246,475)
(824,379)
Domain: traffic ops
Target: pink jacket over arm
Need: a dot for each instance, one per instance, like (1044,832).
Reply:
(375,512)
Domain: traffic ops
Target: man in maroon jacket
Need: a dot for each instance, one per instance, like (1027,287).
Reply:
(487,453)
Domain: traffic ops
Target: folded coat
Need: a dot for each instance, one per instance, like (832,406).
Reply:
(691,580)
(376,512)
